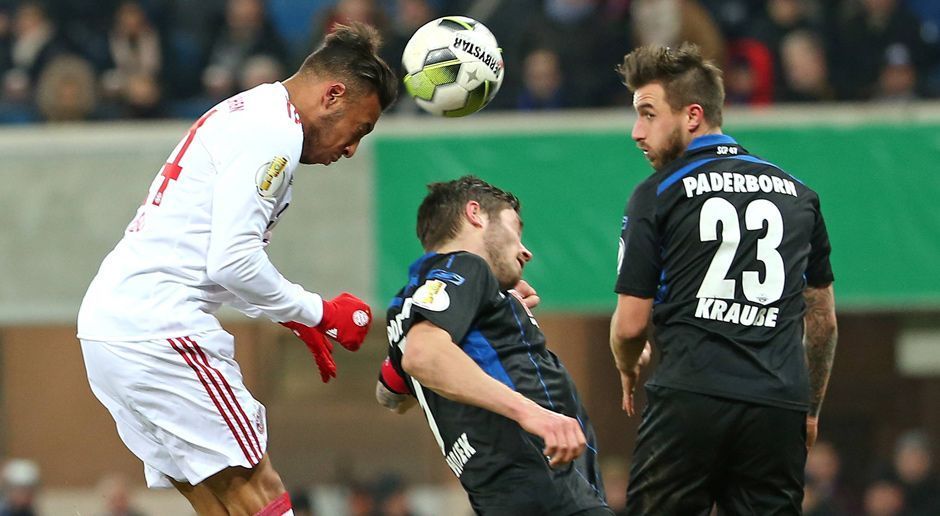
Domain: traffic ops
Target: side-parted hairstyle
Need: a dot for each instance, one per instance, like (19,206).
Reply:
(441,212)
(686,76)
(350,53)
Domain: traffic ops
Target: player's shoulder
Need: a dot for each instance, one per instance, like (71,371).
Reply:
(260,119)
(267,103)
(461,264)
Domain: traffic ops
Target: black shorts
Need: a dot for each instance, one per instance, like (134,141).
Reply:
(695,451)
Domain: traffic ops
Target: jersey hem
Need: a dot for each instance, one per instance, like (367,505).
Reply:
(758,400)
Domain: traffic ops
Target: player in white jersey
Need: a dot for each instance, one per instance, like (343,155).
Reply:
(155,354)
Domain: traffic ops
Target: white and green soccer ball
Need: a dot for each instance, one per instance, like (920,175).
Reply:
(453,66)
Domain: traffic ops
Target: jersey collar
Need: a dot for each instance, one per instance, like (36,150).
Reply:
(710,140)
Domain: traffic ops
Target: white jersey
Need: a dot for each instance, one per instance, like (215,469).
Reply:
(198,240)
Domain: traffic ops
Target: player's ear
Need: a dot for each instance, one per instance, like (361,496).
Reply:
(334,91)
(474,214)
(695,116)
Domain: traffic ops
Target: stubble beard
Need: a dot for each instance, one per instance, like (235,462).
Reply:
(671,151)
(495,242)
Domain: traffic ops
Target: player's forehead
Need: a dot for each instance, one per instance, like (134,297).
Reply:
(649,95)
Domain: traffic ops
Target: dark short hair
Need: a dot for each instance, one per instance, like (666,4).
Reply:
(350,53)
(686,77)
(441,211)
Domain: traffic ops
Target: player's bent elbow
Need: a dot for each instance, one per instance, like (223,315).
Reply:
(416,361)
(223,271)
(624,329)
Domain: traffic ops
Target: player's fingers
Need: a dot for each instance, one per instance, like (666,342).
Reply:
(524,289)
(570,444)
(628,403)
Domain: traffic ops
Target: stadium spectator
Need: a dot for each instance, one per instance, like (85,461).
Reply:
(19,483)
(247,32)
(824,471)
(914,472)
(671,22)
(391,494)
(301,502)
(814,504)
(542,83)
(586,45)
(260,69)
(873,35)
(134,46)
(16,99)
(35,40)
(749,74)
(347,11)
(805,72)
(360,499)
(779,19)
(409,16)
(66,91)
(897,79)
(116,495)
(883,497)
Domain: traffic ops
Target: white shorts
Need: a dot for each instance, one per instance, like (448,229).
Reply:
(179,404)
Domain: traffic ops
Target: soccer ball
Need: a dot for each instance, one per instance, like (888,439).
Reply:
(453,66)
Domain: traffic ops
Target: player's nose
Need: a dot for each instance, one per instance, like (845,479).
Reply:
(637,133)
(525,254)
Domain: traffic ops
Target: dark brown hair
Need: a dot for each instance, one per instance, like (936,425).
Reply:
(441,211)
(686,76)
(350,53)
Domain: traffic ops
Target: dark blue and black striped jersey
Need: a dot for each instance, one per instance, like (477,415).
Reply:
(500,465)
(725,243)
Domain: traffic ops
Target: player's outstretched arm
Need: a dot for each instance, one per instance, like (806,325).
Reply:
(628,343)
(437,363)
(819,339)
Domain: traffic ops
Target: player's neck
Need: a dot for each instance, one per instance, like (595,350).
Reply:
(301,93)
(469,245)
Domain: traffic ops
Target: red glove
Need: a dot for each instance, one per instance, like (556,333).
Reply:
(347,319)
(319,345)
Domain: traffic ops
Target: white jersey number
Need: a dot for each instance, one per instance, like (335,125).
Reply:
(716,283)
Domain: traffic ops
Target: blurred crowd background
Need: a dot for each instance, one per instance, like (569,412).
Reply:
(905,486)
(134,59)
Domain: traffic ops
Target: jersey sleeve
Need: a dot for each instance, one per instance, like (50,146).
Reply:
(639,260)
(453,293)
(818,268)
(247,187)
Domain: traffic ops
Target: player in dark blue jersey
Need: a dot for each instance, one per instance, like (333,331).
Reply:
(730,254)
(463,342)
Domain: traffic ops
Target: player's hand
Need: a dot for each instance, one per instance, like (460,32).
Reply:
(529,297)
(563,437)
(812,430)
(629,379)
(319,345)
(347,319)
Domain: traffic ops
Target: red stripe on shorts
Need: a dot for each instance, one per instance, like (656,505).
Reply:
(199,374)
(253,438)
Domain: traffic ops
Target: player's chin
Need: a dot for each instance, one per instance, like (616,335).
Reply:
(510,280)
